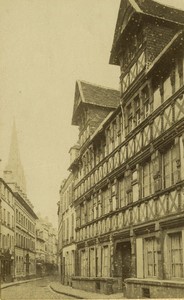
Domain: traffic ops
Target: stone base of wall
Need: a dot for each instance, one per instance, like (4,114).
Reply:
(24,277)
(67,280)
(98,285)
(145,288)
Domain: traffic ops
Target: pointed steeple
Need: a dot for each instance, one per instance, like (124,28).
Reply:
(14,173)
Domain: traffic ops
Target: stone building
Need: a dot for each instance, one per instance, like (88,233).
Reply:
(66,230)
(129,170)
(25,218)
(7,230)
(46,247)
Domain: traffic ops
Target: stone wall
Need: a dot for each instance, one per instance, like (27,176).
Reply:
(98,285)
(145,288)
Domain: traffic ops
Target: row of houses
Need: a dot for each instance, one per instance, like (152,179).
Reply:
(23,252)
(121,210)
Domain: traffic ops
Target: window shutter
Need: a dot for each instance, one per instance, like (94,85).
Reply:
(139,256)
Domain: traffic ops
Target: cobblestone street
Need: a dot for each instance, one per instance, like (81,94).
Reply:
(32,290)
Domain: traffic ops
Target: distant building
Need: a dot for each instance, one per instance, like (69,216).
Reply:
(7,232)
(66,231)
(46,247)
(25,218)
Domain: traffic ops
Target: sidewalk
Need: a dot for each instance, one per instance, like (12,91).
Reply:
(80,294)
(5,285)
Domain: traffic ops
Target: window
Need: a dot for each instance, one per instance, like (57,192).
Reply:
(8,218)
(128,187)
(147,179)
(90,210)
(63,230)
(99,206)
(4,215)
(67,229)
(170,169)
(150,257)
(121,192)
(105,201)
(113,133)
(167,169)
(137,110)
(72,229)
(176,254)
(130,117)
(167,88)
(83,263)
(92,270)
(82,214)
(146,103)
(17,241)
(157,97)
(105,262)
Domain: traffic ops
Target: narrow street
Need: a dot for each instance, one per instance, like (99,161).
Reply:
(32,290)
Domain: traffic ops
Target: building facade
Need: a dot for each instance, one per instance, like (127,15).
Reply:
(46,247)
(66,230)
(128,173)
(25,239)
(24,216)
(7,232)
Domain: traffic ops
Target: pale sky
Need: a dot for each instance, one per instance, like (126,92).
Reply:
(46,45)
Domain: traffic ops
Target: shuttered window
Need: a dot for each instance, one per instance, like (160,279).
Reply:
(92,262)
(105,262)
(83,263)
(150,257)
(176,255)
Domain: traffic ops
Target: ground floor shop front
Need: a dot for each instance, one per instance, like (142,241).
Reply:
(7,266)
(142,261)
(25,264)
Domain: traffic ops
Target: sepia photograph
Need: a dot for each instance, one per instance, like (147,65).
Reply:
(91,149)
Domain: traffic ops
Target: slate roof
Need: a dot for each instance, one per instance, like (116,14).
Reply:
(98,95)
(148,8)
(162,11)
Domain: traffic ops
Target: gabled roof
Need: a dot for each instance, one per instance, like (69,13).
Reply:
(162,11)
(94,95)
(144,7)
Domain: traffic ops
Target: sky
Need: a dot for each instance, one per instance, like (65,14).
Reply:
(46,45)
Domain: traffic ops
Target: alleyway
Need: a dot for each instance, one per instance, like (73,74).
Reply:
(32,290)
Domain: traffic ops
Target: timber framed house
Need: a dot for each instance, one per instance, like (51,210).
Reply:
(129,170)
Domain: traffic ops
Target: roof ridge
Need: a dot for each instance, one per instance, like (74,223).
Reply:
(168,5)
(97,85)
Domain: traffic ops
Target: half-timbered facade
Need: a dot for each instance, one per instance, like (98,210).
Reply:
(128,176)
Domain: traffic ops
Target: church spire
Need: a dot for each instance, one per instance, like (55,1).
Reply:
(14,173)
